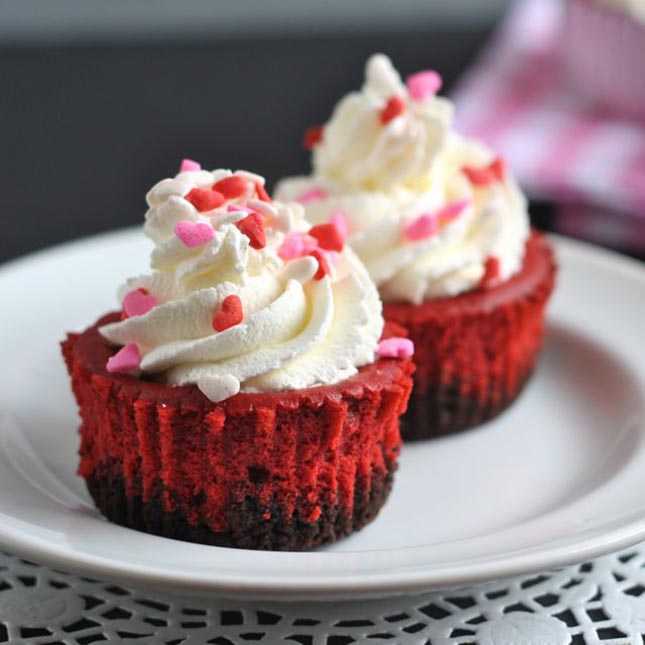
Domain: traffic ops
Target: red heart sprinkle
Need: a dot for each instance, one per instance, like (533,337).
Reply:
(313,136)
(204,200)
(494,171)
(323,265)
(498,169)
(229,315)
(393,108)
(261,192)
(491,272)
(231,187)
(253,227)
(328,236)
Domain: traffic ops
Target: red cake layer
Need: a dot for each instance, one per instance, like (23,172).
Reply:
(474,352)
(298,450)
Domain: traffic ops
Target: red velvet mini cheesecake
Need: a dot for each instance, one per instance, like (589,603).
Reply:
(443,230)
(280,470)
(245,395)
(476,351)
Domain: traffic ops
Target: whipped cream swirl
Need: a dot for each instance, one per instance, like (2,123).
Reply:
(231,306)
(361,152)
(430,213)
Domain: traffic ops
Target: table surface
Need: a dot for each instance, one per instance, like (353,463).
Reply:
(602,601)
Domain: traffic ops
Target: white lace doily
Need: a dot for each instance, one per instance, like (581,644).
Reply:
(598,602)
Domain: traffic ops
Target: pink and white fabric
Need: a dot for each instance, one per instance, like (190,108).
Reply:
(611,75)
(516,99)
(609,228)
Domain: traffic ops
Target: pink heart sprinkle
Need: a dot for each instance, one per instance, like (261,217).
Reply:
(235,208)
(193,234)
(312,195)
(339,220)
(292,247)
(395,348)
(422,227)
(424,84)
(295,245)
(127,359)
(188,165)
(453,210)
(138,302)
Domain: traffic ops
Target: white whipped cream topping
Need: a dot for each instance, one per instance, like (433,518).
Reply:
(383,177)
(296,331)
(362,153)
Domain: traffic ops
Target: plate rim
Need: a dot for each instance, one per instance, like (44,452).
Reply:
(369,586)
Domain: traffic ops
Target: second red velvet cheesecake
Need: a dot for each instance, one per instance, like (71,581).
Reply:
(476,351)
(245,395)
(443,229)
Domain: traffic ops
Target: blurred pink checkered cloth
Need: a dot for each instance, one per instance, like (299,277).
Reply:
(516,100)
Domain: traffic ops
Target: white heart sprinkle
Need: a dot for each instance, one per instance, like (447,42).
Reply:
(219,388)
(302,269)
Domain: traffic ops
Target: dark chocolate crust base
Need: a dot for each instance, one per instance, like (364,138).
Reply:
(444,410)
(251,526)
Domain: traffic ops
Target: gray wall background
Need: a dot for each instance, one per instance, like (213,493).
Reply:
(99,99)
(64,21)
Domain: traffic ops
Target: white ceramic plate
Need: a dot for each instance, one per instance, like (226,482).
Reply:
(558,478)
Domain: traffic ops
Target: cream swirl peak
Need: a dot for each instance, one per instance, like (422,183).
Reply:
(430,213)
(244,294)
(381,137)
